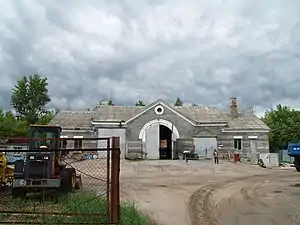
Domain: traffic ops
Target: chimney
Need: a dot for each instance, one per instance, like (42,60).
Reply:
(233,108)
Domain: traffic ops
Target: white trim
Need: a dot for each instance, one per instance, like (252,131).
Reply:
(108,123)
(159,107)
(252,137)
(63,136)
(77,131)
(156,104)
(211,125)
(237,137)
(244,131)
(166,123)
(77,136)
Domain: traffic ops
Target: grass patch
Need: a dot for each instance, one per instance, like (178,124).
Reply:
(80,202)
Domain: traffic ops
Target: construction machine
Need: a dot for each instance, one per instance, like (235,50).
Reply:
(6,171)
(43,167)
(293,150)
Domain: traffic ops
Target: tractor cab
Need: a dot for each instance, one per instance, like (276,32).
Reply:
(39,132)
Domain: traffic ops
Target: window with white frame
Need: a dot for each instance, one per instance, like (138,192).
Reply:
(78,142)
(237,143)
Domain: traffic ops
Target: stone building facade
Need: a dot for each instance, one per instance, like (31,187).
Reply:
(142,128)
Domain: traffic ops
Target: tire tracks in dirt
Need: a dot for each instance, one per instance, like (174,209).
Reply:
(201,210)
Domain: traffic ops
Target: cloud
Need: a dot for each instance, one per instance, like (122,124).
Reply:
(203,51)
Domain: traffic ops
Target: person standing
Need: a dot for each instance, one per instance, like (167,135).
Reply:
(216,156)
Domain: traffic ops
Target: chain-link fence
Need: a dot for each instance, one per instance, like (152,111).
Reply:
(60,181)
(284,157)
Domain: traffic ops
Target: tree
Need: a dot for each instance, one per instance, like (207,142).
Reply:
(46,119)
(110,102)
(178,102)
(140,103)
(100,103)
(10,126)
(30,97)
(284,124)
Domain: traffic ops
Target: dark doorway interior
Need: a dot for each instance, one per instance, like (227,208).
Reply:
(165,152)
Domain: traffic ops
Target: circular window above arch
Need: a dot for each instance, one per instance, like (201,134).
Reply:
(159,110)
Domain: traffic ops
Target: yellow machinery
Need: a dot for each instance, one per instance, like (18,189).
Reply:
(6,171)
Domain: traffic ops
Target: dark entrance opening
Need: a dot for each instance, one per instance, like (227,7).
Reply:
(165,140)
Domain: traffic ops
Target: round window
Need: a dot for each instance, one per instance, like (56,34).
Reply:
(159,110)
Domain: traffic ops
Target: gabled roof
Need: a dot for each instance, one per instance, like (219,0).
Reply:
(73,119)
(104,113)
(196,115)
(156,103)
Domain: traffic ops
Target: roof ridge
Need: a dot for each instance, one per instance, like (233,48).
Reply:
(77,112)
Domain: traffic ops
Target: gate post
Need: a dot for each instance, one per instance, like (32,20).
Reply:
(115,181)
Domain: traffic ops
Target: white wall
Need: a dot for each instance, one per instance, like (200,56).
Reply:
(270,159)
(108,133)
(205,146)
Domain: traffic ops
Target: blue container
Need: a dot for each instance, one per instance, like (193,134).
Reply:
(293,149)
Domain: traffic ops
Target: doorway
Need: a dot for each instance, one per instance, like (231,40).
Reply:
(165,140)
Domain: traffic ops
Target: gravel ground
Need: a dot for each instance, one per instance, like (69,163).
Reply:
(175,193)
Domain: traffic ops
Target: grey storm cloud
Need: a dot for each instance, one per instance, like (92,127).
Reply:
(203,51)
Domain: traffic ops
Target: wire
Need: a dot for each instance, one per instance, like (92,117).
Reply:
(88,175)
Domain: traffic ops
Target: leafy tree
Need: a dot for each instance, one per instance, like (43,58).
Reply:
(178,102)
(10,126)
(100,103)
(110,102)
(49,115)
(30,97)
(284,124)
(140,103)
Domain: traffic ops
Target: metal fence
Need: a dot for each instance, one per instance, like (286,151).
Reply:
(38,194)
(284,157)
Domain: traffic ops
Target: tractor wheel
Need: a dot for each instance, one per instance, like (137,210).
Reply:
(72,177)
(78,182)
(18,193)
(68,180)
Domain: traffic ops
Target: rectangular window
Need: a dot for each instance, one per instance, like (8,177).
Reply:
(238,144)
(63,144)
(78,144)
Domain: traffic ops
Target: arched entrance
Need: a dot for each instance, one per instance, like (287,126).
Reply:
(155,132)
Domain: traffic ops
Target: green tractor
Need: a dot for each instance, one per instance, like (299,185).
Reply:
(43,167)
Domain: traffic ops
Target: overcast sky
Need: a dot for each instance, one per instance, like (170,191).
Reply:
(203,51)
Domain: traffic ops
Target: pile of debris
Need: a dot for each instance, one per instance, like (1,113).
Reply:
(79,155)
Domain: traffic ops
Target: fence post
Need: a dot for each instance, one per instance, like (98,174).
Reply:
(115,181)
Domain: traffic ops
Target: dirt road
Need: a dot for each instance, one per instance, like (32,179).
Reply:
(203,193)
(268,200)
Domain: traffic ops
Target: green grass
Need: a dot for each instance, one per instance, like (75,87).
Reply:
(75,203)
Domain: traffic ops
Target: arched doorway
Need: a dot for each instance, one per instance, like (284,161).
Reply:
(158,138)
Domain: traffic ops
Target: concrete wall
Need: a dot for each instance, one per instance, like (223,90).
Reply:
(226,140)
(84,133)
(209,131)
(185,129)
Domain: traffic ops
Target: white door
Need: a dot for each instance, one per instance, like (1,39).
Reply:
(152,142)
(253,146)
(108,133)
(205,146)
